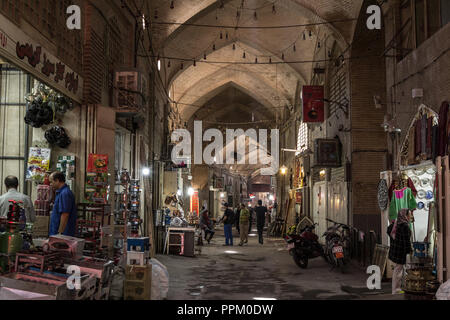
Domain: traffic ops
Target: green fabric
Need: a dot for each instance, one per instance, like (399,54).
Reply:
(406,202)
(245,215)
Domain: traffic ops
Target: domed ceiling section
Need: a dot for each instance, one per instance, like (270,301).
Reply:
(195,29)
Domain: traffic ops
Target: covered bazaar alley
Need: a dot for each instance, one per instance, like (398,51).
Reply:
(141,139)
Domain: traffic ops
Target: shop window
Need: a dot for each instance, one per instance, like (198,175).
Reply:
(14,86)
(445,12)
(419,20)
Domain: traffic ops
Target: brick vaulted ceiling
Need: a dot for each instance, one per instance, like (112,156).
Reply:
(271,85)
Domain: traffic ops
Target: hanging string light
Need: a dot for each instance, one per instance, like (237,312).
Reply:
(172,4)
(182,66)
(214,47)
(168,64)
(195,63)
(221,35)
(310,33)
(255,16)
(221,6)
(270,59)
(282,56)
(242,3)
(204,56)
(256,60)
(329,53)
(243,56)
(294,48)
(159,63)
(155,15)
(226,35)
(318,44)
(238,14)
(234,46)
(273,9)
(304,35)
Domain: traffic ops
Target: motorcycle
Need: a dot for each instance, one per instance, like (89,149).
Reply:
(335,245)
(304,246)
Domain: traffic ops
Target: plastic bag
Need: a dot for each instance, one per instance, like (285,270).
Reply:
(117,281)
(443,292)
(160,280)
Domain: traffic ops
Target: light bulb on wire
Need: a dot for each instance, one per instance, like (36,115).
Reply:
(172,5)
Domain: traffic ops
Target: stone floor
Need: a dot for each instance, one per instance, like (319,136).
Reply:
(261,271)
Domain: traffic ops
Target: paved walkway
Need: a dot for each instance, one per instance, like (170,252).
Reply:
(261,271)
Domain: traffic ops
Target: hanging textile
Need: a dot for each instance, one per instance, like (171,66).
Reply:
(409,184)
(443,129)
(401,199)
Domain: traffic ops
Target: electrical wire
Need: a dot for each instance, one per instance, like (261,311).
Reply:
(253,27)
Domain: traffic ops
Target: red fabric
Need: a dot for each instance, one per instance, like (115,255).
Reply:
(417,140)
(429,134)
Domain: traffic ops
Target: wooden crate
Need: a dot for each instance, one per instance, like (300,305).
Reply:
(137,290)
(139,273)
(380,257)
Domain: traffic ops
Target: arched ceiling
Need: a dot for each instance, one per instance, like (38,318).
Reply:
(201,91)
(272,85)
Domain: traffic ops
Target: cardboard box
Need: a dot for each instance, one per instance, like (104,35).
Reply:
(41,225)
(137,290)
(139,273)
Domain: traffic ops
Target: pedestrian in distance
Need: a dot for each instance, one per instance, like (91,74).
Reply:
(400,236)
(206,225)
(237,213)
(244,221)
(260,220)
(228,220)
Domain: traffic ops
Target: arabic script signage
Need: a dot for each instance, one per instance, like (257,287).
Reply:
(30,56)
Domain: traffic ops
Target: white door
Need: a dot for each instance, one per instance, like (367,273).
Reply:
(337,202)
(320,208)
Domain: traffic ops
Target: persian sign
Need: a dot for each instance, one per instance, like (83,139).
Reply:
(313,104)
(25,53)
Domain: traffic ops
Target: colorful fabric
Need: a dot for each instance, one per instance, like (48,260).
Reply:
(401,199)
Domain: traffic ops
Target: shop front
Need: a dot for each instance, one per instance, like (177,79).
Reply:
(418,185)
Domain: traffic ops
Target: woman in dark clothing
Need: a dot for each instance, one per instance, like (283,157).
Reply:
(207,225)
(400,236)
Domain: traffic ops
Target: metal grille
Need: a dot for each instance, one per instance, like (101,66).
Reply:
(337,87)
(14,85)
(302,138)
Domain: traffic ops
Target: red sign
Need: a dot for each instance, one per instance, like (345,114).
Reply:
(313,104)
(98,163)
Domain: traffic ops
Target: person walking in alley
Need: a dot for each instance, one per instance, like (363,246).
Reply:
(237,213)
(244,222)
(260,220)
(206,225)
(250,219)
(400,236)
(228,220)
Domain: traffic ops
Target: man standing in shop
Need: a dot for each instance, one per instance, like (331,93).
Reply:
(11,184)
(260,220)
(64,215)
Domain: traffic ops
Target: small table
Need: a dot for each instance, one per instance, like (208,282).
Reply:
(177,230)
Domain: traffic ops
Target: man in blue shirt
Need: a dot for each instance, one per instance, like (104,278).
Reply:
(64,215)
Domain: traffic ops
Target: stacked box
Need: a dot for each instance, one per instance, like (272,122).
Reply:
(138,283)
